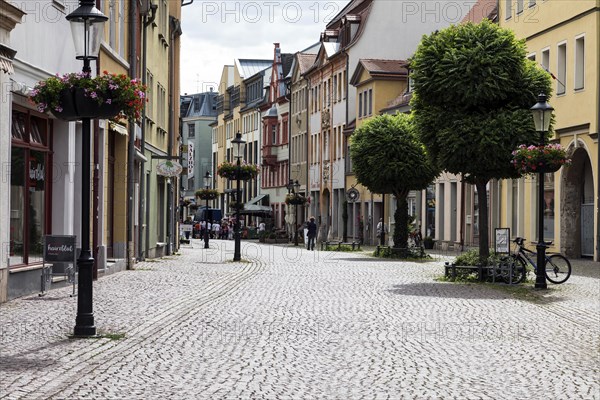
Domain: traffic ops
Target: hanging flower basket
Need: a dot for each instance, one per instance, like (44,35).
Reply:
(77,95)
(234,204)
(535,159)
(295,199)
(229,170)
(207,194)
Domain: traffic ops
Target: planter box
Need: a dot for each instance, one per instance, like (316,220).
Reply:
(76,105)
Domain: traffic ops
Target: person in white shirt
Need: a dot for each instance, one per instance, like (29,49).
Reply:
(216,228)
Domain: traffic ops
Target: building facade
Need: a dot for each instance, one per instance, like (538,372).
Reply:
(563,38)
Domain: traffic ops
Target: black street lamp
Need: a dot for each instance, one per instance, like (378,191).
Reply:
(293,187)
(207,178)
(296,187)
(542,113)
(87,28)
(239,145)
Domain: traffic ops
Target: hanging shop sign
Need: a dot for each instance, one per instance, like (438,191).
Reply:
(169,168)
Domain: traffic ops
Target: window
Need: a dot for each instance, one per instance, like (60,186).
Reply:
(531,57)
(561,78)
(365,101)
(360,101)
(546,59)
(191,130)
(531,3)
(370,101)
(273,134)
(579,63)
(519,6)
(508,9)
(28,188)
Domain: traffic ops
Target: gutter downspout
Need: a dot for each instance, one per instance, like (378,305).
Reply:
(172,223)
(597,255)
(145,209)
(308,153)
(131,139)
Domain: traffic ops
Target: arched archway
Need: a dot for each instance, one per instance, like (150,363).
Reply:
(577,206)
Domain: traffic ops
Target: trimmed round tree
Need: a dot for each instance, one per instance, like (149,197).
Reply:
(473,88)
(388,158)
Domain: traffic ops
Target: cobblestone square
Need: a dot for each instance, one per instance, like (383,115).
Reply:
(286,323)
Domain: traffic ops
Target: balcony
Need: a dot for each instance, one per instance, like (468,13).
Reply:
(269,155)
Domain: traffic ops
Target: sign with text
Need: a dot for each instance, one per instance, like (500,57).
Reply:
(59,248)
(502,236)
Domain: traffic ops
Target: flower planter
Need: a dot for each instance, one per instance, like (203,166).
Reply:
(536,159)
(76,105)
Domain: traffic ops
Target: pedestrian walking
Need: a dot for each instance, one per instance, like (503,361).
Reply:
(312,234)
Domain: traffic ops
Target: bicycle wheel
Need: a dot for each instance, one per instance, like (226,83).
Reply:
(512,269)
(558,268)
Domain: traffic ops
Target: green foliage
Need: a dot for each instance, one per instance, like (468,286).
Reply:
(387,156)
(471,258)
(473,88)
(341,248)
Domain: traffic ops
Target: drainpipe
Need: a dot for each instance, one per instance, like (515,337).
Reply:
(172,223)
(131,139)
(308,154)
(145,209)
(597,255)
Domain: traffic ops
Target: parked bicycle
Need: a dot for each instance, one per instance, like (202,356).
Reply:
(558,267)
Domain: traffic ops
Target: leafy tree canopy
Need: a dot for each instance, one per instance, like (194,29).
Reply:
(473,88)
(387,157)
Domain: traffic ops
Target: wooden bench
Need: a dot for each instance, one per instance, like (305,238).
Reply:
(339,244)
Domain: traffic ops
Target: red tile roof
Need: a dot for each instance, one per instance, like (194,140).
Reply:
(385,66)
(481,10)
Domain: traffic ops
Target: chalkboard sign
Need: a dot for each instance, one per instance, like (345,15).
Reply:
(59,248)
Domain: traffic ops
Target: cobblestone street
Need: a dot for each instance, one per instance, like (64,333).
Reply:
(291,324)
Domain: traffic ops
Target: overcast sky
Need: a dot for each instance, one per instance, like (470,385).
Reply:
(217,32)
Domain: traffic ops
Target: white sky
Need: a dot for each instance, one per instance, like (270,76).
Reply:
(217,32)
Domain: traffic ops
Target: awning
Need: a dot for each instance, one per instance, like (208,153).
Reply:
(256,210)
(118,128)
(257,199)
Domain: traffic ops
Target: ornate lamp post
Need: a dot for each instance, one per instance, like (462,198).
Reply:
(87,27)
(542,113)
(207,178)
(239,145)
(296,187)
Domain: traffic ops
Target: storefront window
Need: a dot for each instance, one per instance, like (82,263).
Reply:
(37,180)
(28,201)
(17,206)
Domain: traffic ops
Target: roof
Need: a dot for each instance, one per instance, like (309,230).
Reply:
(331,48)
(481,10)
(385,66)
(305,61)
(199,105)
(248,67)
(380,68)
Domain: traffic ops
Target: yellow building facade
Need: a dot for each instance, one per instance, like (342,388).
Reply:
(563,38)
(378,83)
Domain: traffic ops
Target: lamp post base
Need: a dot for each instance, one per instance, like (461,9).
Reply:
(540,277)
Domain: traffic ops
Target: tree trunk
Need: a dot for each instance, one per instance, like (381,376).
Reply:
(484,241)
(401,221)
(345,221)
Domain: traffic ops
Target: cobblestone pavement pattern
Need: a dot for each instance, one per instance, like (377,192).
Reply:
(293,324)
